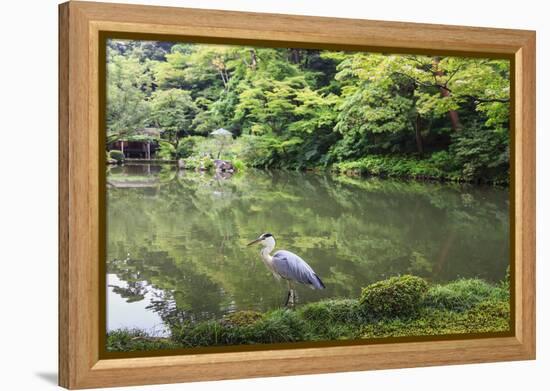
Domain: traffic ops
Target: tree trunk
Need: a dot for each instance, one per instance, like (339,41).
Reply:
(253,59)
(226,78)
(453,114)
(223,78)
(295,56)
(418,135)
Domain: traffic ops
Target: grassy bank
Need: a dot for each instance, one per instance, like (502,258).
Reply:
(434,168)
(400,306)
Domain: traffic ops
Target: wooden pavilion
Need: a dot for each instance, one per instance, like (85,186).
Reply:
(142,144)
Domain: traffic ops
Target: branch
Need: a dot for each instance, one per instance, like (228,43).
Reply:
(477,100)
(454,73)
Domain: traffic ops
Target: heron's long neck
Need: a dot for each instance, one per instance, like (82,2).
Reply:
(266,257)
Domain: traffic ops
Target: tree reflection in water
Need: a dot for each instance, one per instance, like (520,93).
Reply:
(186,234)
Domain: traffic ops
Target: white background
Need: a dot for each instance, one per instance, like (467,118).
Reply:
(28,206)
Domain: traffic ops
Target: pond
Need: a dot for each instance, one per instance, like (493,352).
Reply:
(176,240)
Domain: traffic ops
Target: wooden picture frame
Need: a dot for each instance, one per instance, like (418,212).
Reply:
(81,25)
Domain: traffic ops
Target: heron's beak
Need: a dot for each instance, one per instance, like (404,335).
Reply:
(254,242)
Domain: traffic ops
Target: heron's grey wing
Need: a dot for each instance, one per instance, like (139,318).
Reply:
(292,267)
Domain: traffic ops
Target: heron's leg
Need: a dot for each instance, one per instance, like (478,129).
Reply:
(295,295)
(292,294)
(288,296)
(287,299)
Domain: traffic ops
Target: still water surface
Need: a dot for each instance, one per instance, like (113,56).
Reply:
(176,241)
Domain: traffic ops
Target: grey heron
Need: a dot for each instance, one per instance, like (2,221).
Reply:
(287,265)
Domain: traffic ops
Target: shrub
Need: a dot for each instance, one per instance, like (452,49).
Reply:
(166,151)
(187,145)
(482,154)
(262,151)
(117,155)
(202,163)
(238,164)
(463,294)
(394,297)
(391,166)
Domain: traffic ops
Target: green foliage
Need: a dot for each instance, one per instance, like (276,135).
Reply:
(394,297)
(262,151)
(239,165)
(202,163)
(128,84)
(393,167)
(132,340)
(487,311)
(463,294)
(117,155)
(166,151)
(481,154)
(242,318)
(276,327)
(173,111)
(186,146)
(333,311)
(306,108)
(482,318)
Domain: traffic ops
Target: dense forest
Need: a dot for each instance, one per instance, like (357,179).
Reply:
(413,116)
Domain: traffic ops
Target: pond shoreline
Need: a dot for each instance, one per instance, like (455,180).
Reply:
(343,168)
(397,307)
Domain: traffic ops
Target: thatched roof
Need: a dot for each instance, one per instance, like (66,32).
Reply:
(221,132)
(151,132)
(144,134)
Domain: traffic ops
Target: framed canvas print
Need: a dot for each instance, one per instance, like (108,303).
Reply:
(242,191)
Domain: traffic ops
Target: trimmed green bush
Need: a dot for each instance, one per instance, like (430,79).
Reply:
(394,297)
(117,155)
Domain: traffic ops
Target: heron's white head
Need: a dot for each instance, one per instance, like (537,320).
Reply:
(266,240)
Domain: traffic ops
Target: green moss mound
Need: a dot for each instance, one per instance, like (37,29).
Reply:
(488,316)
(394,297)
